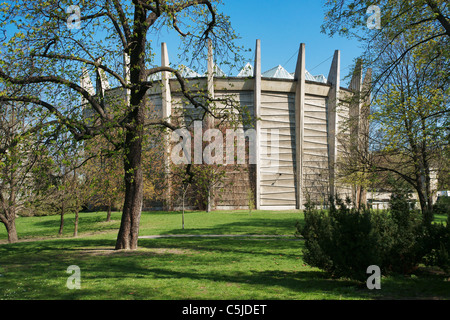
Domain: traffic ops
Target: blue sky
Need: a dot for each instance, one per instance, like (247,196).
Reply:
(282,25)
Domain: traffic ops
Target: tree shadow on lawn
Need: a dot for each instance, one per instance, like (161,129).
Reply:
(50,258)
(309,283)
(99,261)
(235,246)
(144,265)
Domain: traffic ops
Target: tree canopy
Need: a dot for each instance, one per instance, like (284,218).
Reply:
(48,46)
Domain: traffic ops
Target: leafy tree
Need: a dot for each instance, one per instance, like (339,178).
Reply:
(114,38)
(22,147)
(411,139)
(59,184)
(409,55)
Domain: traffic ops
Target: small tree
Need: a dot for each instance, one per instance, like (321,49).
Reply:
(409,121)
(81,192)
(105,175)
(206,178)
(21,148)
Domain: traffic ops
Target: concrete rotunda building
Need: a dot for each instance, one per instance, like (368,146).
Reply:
(309,114)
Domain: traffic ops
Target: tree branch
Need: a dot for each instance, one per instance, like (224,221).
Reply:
(182,83)
(161,123)
(117,27)
(57,80)
(180,7)
(34,129)
(389,69)
(93,63)
(75,130)
(123,20)
(439,16)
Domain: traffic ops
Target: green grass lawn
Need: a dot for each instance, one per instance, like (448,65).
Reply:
(176,268)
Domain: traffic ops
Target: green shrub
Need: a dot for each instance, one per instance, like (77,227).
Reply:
(317,232)
(341,242)
(345,241)
(438,240)
(437,246)
(442,206)
(410,235)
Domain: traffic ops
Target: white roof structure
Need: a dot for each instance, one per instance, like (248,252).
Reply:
(309,76)
(217,72)
(187,72)
(154,77)
(247,71)
(320,78)
(281,73)
(277,72)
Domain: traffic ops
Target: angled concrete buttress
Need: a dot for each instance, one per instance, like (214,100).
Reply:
(257,106)
(333,103)
(166,114)
(299,123)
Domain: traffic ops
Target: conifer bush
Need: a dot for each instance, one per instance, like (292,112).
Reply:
(344,241)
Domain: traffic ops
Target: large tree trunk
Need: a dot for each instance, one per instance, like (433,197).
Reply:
(11,229)
(423,201)
(129,228)
(134,184)
(8,217)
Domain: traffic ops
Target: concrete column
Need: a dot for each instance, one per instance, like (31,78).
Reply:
(166,114)
(355,103)
(257,107)
(102,83)
(366,101)
(354,122)
(165,90)
(332,131)
(86,84)
(126,76)
(210,69)
(364,124)
(300,77)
